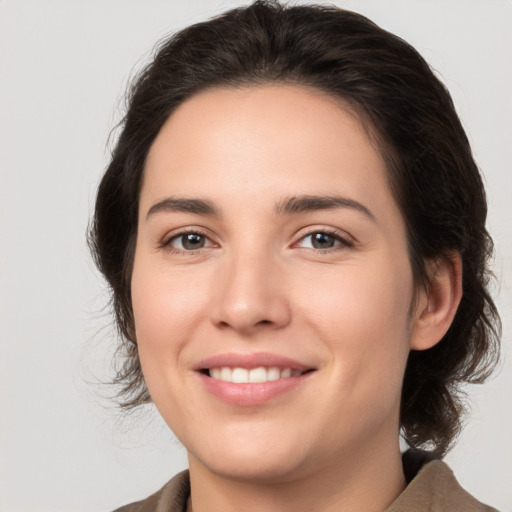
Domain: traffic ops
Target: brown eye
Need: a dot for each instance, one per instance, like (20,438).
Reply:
(323,240)
(188,241)
(319,240)
(192,241)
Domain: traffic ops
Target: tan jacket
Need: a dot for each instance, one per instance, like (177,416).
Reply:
(433,489)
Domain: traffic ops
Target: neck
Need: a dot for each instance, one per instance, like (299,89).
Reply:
(370,482)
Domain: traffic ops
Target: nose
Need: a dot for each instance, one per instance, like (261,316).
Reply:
(249,295)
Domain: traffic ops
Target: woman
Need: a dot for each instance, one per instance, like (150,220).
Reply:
(293,228)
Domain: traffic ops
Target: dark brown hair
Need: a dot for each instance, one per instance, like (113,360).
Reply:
(434,178)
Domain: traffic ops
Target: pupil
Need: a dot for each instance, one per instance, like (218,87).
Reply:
(322,240)
(193,241)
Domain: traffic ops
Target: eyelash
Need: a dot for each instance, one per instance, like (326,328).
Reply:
(344,242)
(166,243)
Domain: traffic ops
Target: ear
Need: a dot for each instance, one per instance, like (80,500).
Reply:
(436,306)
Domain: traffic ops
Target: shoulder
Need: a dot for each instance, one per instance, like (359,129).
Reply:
(435,489)
(172,497)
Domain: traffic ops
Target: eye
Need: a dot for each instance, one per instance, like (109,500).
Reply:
(188,242)
(323,240)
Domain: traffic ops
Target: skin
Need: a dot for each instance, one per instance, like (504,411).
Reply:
(259,284)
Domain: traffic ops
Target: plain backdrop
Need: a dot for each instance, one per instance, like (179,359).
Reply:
(64,66)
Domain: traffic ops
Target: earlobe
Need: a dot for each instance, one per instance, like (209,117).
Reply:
(437,305)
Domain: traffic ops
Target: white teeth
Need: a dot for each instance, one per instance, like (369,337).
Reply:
(240,375)
(286,373)
(244,376)
(226,374)
(273,373)
(258,375)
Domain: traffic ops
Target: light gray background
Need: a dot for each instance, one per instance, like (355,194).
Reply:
(64,65)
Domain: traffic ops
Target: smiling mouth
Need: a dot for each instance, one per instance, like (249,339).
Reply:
(251,380)
(260,374)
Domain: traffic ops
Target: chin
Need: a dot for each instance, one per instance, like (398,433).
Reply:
(251,458)
(263,468)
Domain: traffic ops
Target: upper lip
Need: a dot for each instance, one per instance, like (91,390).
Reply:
(248,361)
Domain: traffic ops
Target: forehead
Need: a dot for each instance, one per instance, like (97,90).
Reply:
(257,142)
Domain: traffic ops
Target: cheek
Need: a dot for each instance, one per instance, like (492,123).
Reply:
(362,314)
(360,296)
(165,306)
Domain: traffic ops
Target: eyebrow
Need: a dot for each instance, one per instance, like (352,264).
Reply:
(186,205)
(299,204)
(287,206)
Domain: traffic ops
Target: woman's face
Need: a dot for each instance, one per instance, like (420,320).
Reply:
(270,252)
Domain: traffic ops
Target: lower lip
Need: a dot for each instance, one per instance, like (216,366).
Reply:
(251,394)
